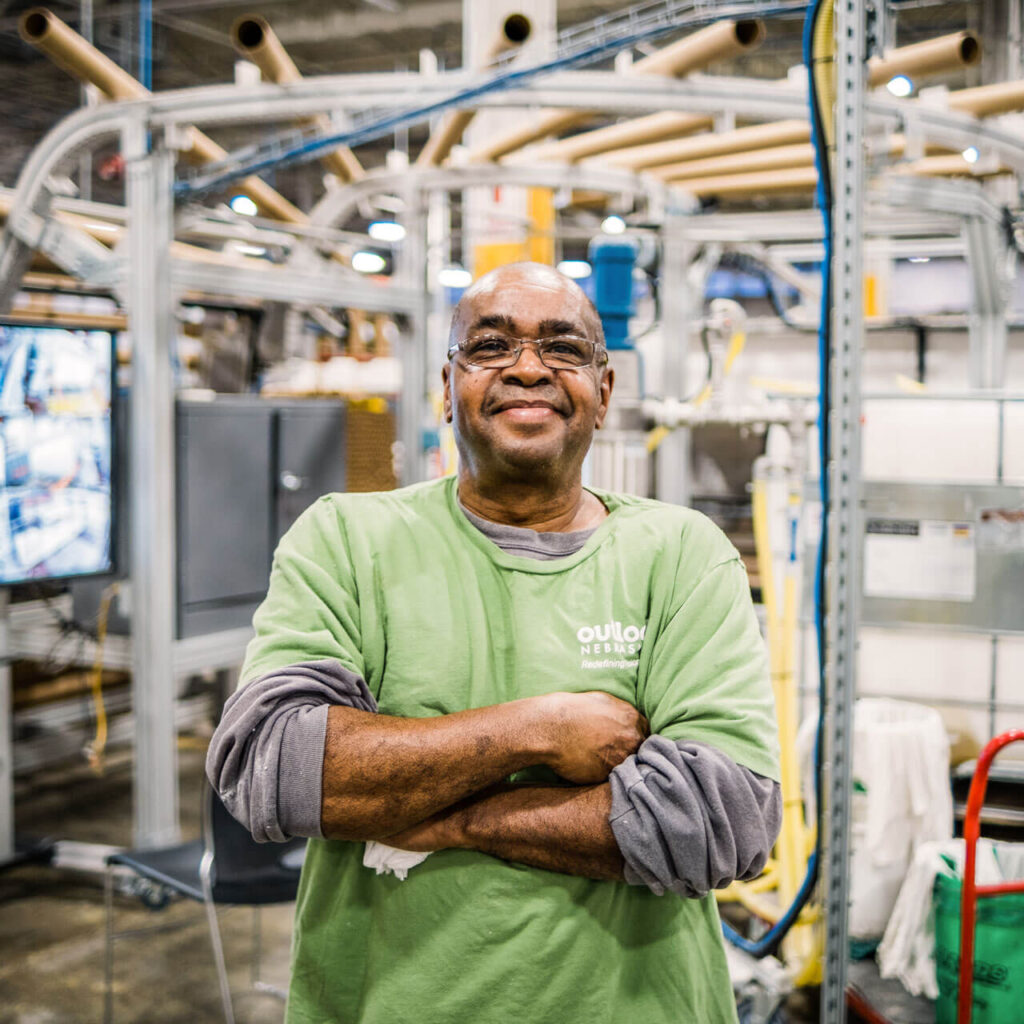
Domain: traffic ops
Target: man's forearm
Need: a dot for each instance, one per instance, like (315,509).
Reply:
(382,774)
(558,828)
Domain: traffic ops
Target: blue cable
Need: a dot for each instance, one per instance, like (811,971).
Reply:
(771,939)
(146,43)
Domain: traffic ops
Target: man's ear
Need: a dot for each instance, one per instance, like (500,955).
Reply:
(446,374)
(605,388)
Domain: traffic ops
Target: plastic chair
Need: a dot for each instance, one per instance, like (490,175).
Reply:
(970,890)
(225,866)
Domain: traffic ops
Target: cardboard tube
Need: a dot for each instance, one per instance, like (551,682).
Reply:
(957,50)
(769,159)
(792,179)
(636,132)
(679,151)
(986,100)
(551,122)
(255,40)
(588,199)
(719,41)
(69,51)
(514,31)
(447,134)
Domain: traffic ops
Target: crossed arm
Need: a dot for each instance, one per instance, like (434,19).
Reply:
(431,784)
(303,751)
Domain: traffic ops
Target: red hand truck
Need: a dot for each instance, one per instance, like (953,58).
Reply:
(969,891)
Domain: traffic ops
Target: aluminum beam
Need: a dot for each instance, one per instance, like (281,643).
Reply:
(680,311)
(6,734)
(316,285)
(992,264)
(990,257)
(844,494)
(153,569)
(75,252)
(412,406)
(379,97)
(337,204)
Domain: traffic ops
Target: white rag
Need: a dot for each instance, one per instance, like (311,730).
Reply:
(386,859)
(907,950)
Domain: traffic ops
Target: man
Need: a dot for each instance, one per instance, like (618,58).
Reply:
(470,668)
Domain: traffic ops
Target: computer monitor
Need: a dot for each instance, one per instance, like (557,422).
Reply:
(56,438)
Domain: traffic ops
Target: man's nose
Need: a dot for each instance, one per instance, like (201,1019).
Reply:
(528,368)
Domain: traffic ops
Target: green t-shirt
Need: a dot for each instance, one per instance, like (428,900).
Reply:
(402,589)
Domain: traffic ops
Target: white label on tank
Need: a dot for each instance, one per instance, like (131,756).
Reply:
(925,559)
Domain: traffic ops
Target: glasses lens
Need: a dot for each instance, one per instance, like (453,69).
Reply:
(566,352)
(496,351)
(490,350)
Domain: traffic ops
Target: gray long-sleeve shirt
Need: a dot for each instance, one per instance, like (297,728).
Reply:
(685,816)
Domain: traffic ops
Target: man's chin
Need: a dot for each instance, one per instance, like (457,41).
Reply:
(530,454)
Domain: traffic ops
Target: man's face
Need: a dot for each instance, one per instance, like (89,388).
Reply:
(527,417)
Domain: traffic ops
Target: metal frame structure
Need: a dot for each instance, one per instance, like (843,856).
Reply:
(149,275)
(844,494)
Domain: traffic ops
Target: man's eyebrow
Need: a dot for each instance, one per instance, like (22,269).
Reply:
(506,323)
(550,328)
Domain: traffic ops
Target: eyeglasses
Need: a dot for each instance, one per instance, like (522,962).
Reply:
(499,351)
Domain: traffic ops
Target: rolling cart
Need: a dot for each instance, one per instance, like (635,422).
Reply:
(971,892)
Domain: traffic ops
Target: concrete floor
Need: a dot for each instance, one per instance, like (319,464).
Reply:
(52,922)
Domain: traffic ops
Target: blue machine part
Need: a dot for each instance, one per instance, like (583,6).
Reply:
(613,263)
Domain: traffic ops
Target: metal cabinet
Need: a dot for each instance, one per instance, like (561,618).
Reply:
(246,469)
(310,457)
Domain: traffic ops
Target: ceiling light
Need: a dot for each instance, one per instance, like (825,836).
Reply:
(613,225)
(244,205)
(920,259)
(900,85)
(575,269)
(971,154)
(368,262)
(250,250)
(386,231)
(454,277)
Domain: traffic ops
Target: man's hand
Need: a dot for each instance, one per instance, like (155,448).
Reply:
(594,732)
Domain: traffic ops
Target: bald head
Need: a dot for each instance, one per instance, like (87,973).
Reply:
(520,278)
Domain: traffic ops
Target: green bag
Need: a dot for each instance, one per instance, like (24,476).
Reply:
(998,993)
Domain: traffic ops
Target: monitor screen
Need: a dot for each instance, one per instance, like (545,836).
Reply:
(55,452)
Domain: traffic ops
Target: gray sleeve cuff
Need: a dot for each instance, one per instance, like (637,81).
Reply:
(266,756)
(688,819)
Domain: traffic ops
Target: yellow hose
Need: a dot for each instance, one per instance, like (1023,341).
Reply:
(782,628)
(823,61)
(94,751)
(736,343)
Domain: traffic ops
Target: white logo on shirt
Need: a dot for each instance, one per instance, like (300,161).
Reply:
(611,638)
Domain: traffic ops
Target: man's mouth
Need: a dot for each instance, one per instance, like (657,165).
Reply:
(526,412)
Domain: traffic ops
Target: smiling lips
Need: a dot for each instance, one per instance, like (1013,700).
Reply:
(526,412)
(519,405)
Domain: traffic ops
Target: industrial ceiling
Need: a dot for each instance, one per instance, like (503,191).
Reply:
(190,46)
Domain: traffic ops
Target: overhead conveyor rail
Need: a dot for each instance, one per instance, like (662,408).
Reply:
(577,47)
